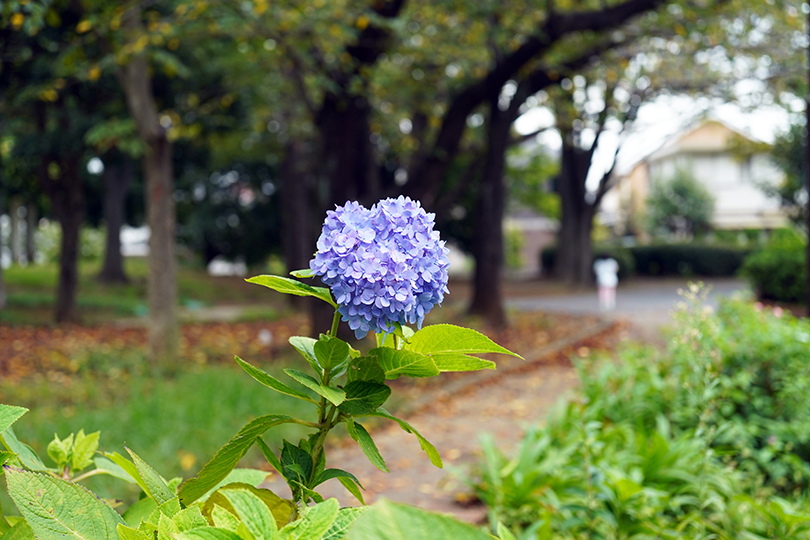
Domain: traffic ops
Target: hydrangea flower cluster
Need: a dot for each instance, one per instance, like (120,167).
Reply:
(384,265)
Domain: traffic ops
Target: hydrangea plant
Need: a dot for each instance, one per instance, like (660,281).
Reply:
(385,268)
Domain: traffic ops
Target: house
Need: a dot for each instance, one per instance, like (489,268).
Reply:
(712,150)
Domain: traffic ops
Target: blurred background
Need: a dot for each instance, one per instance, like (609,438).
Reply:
(153,153)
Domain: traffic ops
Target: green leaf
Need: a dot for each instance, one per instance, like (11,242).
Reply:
(363,397)
(113,469)
(281,509)
(253,513)
(395,363)
(155,485)
(365,368)
(20,531)
(334,395)
(353,488)
(189,518)
(4,457)
(269,455)
(296,465)
(139,511)
(344,520)
(305,273)
(448,339)
(360,435)
(128,467)
(227,457)
(389,521)
(10,414)
(460,362)
(167,528)
(128,533)
(314,524)
(331,353)
(169,509)
(504,533)
(306,346)
(25,453)
(271,382)
(291,286)
(58,450)
(84,447)
(349,481)
(224,519)
(428,448)
(56,508)
(208,533)
(251,477)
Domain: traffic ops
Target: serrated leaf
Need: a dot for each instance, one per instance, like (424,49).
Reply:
(401,362)
(58,450)
(365,368)
(363,397)
(504,533)
(306,346)
(25,453)
(128,467)
(84,447)
(10,414)
(296,465)
(428,448)
(251,477)
(155,485)
(113,469)
(331,353)
(20,531)
(349,481)
(344,520)
(269,455)
(353,488)
(271,382)
(448,338)
(167,528)
(291,286)
(5,456)
(390,521)
(128,533)
(361,436)
(281,509)
(139,511)
(189,518)
(253,513)
(334,395)
(208,533)
(227,457)
(460,362)
(56,508)
(224,519)
(314,524)
(169,509)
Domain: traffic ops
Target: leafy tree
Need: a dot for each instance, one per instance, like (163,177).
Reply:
(680,206)
(788,152)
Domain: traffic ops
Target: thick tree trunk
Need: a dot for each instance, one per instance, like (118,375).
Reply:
(14,234)
(488,236)
(117,178)
(32,223)
(296,214)
(68,203)
(574,249)
(158,175)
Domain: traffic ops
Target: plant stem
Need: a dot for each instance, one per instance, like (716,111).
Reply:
(335,321)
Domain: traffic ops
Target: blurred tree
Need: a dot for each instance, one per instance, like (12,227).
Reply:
(680,206)
(788,152)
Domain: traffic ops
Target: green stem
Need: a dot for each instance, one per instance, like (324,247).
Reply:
(335,321)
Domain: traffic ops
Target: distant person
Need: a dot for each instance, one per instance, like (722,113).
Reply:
(607,278)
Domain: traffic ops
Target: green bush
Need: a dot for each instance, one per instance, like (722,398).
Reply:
(687,260)
(779,270)
(710,438)
(627,265)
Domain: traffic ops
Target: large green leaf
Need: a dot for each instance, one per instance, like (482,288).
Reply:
(343,521)
(128,468)
(10,414)
(155,485)
(281,509)
(361,436)
(314,524)
(208,533)
(291,286)
(296,466)
(365,368)
(331,353)
(334,395)
(363,397)
(84,448)
(395,363)
(447,338)
(128,533)
(389,521)
(253,513)
(271,382)
(25,453)
(20,531)
(56,508)
(227,457)
(306,346)
(113,469)
(429,449)
(251,477)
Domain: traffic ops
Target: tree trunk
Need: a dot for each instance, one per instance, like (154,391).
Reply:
(807,177)
(296,214)
(14,236)
(2,281)
(32,223)
(68,203)
(574,249)
(158,173)
(488,236)
(117,178)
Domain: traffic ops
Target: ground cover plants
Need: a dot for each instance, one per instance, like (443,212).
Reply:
(386,268)
(708,439)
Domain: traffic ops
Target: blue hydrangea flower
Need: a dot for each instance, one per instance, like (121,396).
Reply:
(384,265)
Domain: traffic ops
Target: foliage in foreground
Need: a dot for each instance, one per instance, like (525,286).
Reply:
(710,439)
(779,270)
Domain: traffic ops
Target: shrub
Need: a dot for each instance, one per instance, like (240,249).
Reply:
(687,260)
(681,206)
(709,437)
(779,270)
